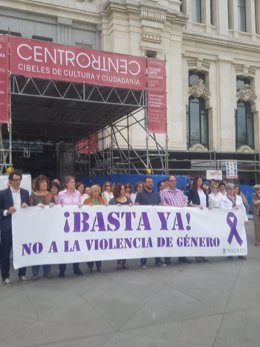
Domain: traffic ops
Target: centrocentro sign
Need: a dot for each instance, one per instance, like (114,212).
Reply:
(46,60)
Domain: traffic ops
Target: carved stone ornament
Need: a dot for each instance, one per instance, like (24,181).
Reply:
(198,148)
(245,149)
(153,16)
(198,90)
(246,94)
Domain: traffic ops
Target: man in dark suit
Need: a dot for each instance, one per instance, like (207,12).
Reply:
(11,199)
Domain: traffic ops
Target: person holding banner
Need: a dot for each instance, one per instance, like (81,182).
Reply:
(120,198)
(128,192)
(148,197)
(81,188)
(233,201)
(215,196)
(199,198)
(138,188)
(69,196)
(107,191)
(222,188)
(55,187)
(171,196)
(238,192)
(95,199)
(11,199)
(41,197)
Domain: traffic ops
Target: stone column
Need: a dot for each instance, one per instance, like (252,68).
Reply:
(233,16)
(257,113)
(257,16)
(64,28)
(177,87)
(206,14)
(186,8)
(221,17)
(250,18)
(226,104)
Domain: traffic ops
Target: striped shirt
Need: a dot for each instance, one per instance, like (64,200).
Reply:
(173,197)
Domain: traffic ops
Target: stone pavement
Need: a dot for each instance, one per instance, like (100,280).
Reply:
(214,304)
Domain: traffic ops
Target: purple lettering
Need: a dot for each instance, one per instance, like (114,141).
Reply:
(136,242)
(98,223)
(76,221)
(178,224)
(128,220)
(161,241)
(103,244)
(163,219)
(113,221)
(37,247)
(66,225)
(85,225)
(26,248)
(53,247)
(144,223)
(169,242)
(89,244)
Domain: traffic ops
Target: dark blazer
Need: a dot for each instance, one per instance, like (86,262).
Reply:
(195,199)
(6,201)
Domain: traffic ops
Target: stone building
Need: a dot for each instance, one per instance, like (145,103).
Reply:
(211,50)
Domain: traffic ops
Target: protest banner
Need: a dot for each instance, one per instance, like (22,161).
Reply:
(68,234)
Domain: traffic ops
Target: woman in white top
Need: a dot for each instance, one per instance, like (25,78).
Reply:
(128,192)
(107,191)
(215,196)
(200,199)
(231,200)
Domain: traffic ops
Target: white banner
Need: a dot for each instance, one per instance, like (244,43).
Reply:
(214,174)
(70,234)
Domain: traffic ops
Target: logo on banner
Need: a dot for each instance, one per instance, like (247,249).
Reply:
(232,222)
(234,237)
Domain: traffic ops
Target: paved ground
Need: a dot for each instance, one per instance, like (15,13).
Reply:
(214,304)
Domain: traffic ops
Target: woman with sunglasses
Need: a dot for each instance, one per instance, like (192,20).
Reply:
(107,191)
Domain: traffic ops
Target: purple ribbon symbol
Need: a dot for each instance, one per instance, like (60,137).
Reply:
(232,222)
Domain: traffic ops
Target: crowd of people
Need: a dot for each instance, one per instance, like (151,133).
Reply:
(199,194)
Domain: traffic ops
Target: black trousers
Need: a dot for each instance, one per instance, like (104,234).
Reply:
(5,250)
(62,267)
(91,264)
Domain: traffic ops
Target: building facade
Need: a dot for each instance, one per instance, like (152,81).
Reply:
(211,50)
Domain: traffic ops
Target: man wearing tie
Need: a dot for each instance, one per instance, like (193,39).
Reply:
(11,199)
